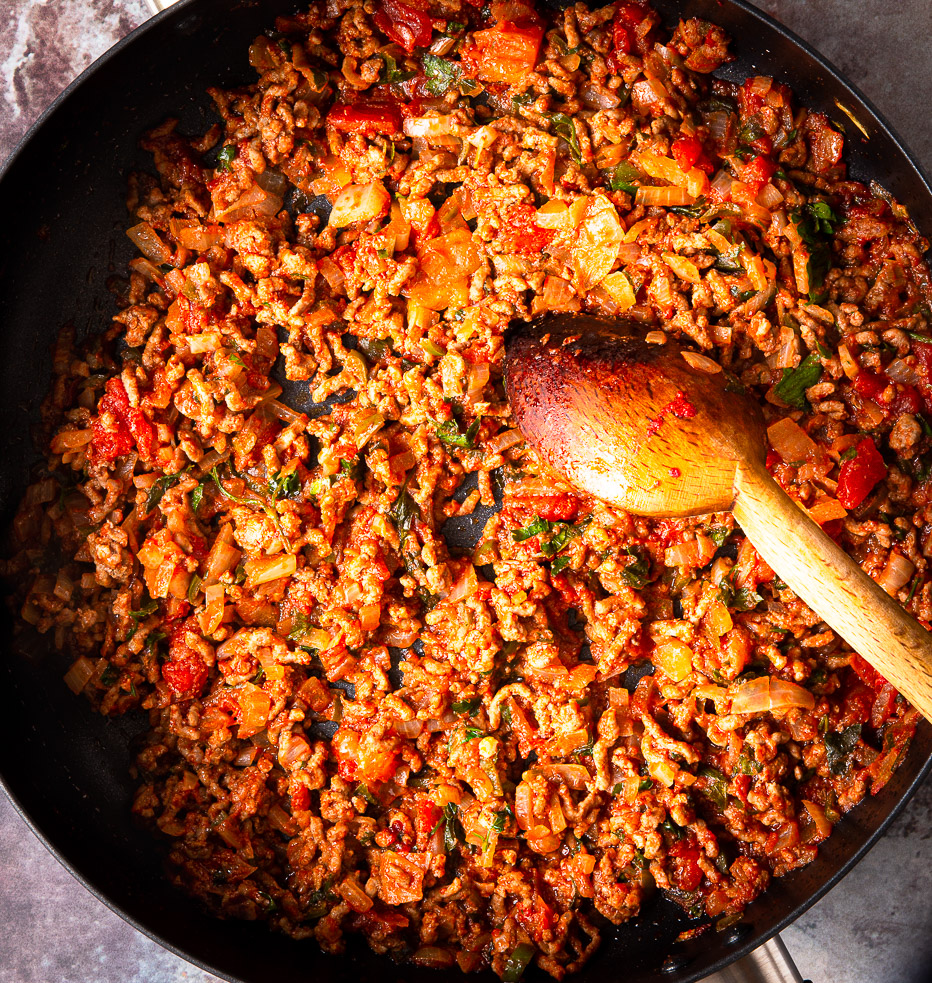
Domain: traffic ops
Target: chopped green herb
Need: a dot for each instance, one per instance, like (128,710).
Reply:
(564,534)
(454,27)
(792,387)
(449,432)
(351,467)
(537,527)
(469,707)
(432,348)
(501,819)
(472,734)
(563,127)
(623,178)
(404,511)
(747,764)
(441,74)
(559,563)
(839,746)
(196,496)
(452,829)
(719,534)
(236,360)
(391,72)
(144,611)
(636,574)
(716,786)
(644,784)
(912,589)
(523,99)
(226,156)
(109,676)
(193,588)
(158,488)
(285,485)
(362,792)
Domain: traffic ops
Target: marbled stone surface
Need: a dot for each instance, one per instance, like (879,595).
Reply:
(875,927)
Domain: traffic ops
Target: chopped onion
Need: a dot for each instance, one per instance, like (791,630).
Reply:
(595,247)
(354,895)
(574,776)
(790,441)
(430,126)
(701,363)
(253,202)
(849,366)
(209,619)
(272,181)
(901,371)
(684,268)
(721,186)
(359,203)
(433,957)
(255,705)
(78,676)
(674,658)
(770,197)
(764,693)
(670,197)
(369,616)
(408,728)
(823,826)
(503,441)
(599,97)
(222,557)
(263,569)
(896,573)
(149,243)
(465,586)
(399,637)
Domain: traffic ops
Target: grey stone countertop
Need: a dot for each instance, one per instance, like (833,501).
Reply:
(875,927)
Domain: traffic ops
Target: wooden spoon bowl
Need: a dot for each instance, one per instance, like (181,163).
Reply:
(660,431)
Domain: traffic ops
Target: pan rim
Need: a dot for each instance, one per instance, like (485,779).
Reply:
(177,12)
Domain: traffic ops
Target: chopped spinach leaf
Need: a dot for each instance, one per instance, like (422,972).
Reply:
(469,707)
(391,72)
(839,746)
(563,127)
(636,574)
(226,156)
(449,432)
(537,527)
(158,488)
(792,387)
(623,178)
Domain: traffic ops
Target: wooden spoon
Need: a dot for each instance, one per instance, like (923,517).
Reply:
(657,431)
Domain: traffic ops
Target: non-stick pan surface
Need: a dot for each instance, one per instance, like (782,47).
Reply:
(61,197)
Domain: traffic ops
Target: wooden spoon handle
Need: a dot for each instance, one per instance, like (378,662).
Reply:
(834,586)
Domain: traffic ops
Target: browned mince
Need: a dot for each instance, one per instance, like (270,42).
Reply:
(240,569)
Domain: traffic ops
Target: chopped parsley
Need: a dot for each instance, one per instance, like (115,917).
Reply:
(391,72)
(637,573)
(284,485)
(623,178)
(158,488)
(468,707)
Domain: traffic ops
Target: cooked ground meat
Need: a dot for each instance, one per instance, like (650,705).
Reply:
(356,727)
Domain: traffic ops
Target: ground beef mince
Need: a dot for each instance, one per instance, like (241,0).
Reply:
(402,179)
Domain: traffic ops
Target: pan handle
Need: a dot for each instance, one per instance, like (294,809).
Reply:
(159,5)
(770,963)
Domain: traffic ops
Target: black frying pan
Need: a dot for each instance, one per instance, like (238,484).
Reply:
(66,769)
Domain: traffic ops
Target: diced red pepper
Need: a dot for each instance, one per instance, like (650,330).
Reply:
(504,53)
(361,117)
(119,426)
(404,25)
(757,172)
(301,799)
(867,672)
(906,401)
(858,476)
(554,508)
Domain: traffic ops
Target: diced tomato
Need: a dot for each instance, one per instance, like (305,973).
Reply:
(504,53)
(750,99)
(645,697)
(536,917)
(906,401)
(686,874)
(867,672)
(883,706)
(757,172)
(426,818)
(858,476)
(119,426)
(741,785)
(688,152)
(868,384)
(553,508)
(187,676)
(360,117)
(301,799)
(404,25)
(627,35)
(773,459)
(521,234)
